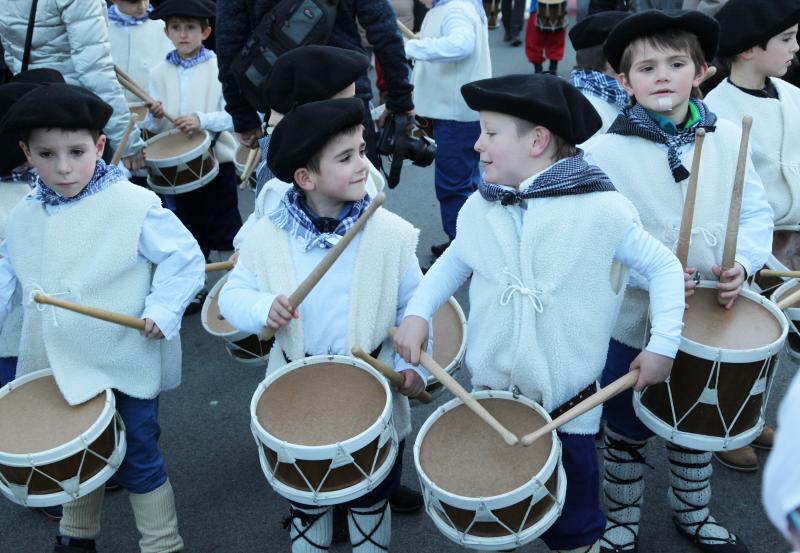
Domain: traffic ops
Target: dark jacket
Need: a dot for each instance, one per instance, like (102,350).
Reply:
(236,20)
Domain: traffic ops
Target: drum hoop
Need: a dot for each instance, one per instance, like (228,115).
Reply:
(181,158)
(62,451)
(529,489)
(792,313)
(235,334)
(709,353)
(455,364)
(327,451)
(188,187)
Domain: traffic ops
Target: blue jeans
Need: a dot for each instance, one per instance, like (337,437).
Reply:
(618,411)
(142,470)
(457,167)
(8,370)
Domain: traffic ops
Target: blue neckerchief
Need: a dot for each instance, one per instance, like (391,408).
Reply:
(635,121)
(23,173)
(124,20)
(295,217)
(600,85)
(569,176)
(204,54)
(478,7)
(104,176)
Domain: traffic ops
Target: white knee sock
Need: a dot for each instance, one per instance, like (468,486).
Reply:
(690,492)
(311,530)
(81,517)
(370,528)
(156,520)
(623,489)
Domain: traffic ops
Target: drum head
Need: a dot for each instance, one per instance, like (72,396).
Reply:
(447,335)
(217,324)
(35,417)
(321,404)
(169,145)
(464,456)
(747,325)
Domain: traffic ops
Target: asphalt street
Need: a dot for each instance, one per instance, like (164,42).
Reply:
(224,502)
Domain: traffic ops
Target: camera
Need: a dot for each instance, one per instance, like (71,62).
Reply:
(403,137)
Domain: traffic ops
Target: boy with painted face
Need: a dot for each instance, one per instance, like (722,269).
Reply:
(661,58)
(85,215)
(546,231)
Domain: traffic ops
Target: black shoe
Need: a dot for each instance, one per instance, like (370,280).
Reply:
(537,68)
(553,67)
(405,500)
(439,249)
(712,545)
(196,304)
(73,545)
(516,41)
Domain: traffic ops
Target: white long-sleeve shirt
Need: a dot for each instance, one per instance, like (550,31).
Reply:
(165,242)
(456,43)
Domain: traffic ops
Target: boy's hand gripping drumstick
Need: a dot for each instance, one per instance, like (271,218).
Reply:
(602,395)
(102,314)
(451,384)
(732,232)
(319,271)
(124,140)
(685,236)
(391,375)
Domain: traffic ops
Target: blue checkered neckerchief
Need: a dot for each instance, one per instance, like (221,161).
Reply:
(204,54)
(23,173)
(116,16)
(635,121)
(569,176)
(295,217)
(600,85)
(104,176)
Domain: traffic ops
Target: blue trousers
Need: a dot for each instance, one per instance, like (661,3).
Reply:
(142,470)
(618,412)
(8,370)
(582,521)
(457,171)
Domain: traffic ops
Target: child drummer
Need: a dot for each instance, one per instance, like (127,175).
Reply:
(661,58)
(86,234)
(320,148)
(547,240)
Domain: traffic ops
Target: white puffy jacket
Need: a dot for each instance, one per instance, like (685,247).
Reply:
(70,36)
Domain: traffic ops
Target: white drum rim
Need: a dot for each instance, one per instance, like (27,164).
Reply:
(530,489)
(327,451)
(62,451)
(233,335)
(791,312)
(181,158)
(455,364)
(189,186)
(724,355)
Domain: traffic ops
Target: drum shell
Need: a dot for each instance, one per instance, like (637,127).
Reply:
(444,319)
(792,314)
(69,462)
(183,172)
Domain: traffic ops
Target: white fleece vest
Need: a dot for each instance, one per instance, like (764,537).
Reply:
(206,92)
(608,113)
(88,253)
(137,49)
(437,86)
(11,192)
(773,141)
(649,184)
(543,302)
(377,274)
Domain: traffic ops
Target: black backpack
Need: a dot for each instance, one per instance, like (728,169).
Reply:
(289,24)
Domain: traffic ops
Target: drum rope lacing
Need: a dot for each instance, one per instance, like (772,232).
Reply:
(36,289)
(533,294)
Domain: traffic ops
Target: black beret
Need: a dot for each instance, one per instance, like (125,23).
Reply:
(310,74)
(593,30)
(746,23)
(650,22)
(39,75)
(303,132)
(58,106)
(543,99)
(200,9)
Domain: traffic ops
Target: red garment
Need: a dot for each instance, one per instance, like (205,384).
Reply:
(541,45)
(380,84)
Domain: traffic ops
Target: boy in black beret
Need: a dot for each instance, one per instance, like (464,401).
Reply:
(758,44)
(319,147)
(547,230)
(100,238)
(662,58)
(186,85)
(593,75)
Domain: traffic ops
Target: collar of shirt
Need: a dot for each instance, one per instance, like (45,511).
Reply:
(671,128)
(769,90)
(123,20)
(204,54)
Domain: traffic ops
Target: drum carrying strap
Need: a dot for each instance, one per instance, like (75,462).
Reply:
(572,402)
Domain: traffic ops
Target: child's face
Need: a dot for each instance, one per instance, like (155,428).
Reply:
(133,8)
(187,36)
(505,154)
(64,159)
(775,60)
(662,80)
(343,170)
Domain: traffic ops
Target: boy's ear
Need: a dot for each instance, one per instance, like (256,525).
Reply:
(623,80)
(100,146)
(303,179)
(26,150)
(540,140)
(700,76)
(747,54)
(206,32)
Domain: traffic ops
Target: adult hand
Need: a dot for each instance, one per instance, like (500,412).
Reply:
(250,138)
(134,162)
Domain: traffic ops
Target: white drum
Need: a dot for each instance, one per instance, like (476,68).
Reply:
(480,492)
(240,161)
(792,315)
(449,342)
(324,429)
(177,163)
(51,452)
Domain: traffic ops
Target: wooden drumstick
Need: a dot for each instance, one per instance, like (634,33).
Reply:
(392,376)
(249,166)
(602,395)
(124,140)
(732,233)
(220,266)
(406,32)
(452,384)
(685,236)
(779,274)
(131,85)
(710,73)
(102,314)
(319,271)
(789,300)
